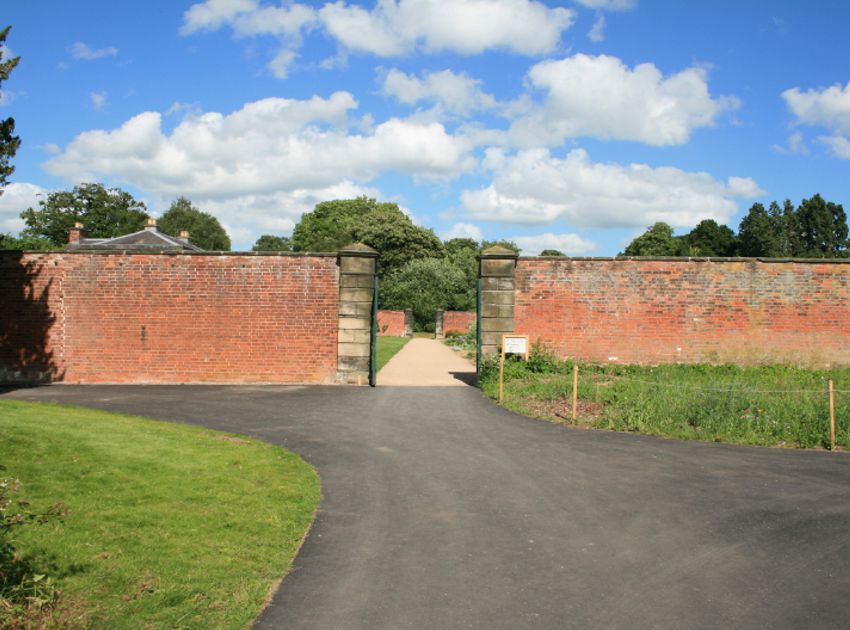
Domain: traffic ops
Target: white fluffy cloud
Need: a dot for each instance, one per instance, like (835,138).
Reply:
(463,230)
(533,187)
(608,5)
(463,26)
(597,31)
(569,244)
(454,93)
(603,98)
(16,198)
(271,154)
(98,99)
(828,108)
(213,14)
(81,50)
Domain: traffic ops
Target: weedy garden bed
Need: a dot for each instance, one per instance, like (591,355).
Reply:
(764,405)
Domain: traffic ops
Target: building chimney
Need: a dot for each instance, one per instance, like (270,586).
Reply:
(76,234)
(151,224)
(184,236)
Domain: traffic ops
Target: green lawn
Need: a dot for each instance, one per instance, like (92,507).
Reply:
(387,347)
(169,525)
(766,405)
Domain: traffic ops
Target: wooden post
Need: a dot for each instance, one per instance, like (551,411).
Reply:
(831,415)
(575,392)
(502,373)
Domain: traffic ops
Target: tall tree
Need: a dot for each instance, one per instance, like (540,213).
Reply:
(552,252)
(204,229)
(9,142)
(822,229)
(757,234)
(105,212)
(425,285)
(396,238)
(270,243)
(658,240)
(330,225)
(709,238)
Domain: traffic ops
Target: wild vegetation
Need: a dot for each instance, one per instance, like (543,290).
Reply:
(167,525)
(765,405)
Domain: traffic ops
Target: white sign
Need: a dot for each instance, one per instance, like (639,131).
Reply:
(516,345)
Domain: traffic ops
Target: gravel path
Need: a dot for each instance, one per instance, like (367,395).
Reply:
(427,363)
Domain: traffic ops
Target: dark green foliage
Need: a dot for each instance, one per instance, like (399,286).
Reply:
(9,143)
(815,229)
(396,238)
(330,225)
(709,238)
(658,240)
(552,252)
(822,229)
(463,254)
(7,241)
(204,229)
(104,213)
(269,243)
(425,285)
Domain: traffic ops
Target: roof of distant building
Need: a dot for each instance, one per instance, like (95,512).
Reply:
(149,238)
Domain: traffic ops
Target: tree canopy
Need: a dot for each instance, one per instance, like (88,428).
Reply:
(552,252)
(105,212)
(658,240)
(9,142)
(330,225)
(204,229)
(709,238)
(270,243)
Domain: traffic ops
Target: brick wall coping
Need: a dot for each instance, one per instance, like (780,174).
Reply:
(147,252)
(683,259)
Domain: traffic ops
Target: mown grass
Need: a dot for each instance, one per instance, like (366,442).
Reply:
(387,348)
(766,405)
(170,526)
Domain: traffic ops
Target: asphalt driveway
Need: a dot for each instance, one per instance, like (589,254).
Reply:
(442,510)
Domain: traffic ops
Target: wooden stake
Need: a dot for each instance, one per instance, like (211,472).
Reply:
(502,373)
(831,416)
(575,392)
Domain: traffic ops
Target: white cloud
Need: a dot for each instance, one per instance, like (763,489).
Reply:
(570,244)
(81,50)
(98,99)
(278,21)
(454,93)
(743,188)
(534,188)
(463,230)
(828,108)
(16,198)
(838,145)
(467,27)
(597,31)
(213,14)
(609,5)
(796,145)
(271,151)
(603,98)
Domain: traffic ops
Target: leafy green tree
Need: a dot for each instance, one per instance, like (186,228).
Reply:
(9,142)
(425,285)
(658,240)
(396,238)
(463,254)
(552,252)
(822,229)
(330,226)
(709,238)
(204,229)
(269,243)
(104,213)
(7,241)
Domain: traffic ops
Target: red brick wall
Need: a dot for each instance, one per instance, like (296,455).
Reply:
(390,323)
(162,318)
(457,321)
(654,311)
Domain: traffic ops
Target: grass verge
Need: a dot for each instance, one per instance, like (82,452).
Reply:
(169,525)
(766,405)
(387,347)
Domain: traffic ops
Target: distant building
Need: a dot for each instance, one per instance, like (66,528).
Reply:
(148,239)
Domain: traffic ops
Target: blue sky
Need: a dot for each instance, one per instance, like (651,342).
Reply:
(567,125)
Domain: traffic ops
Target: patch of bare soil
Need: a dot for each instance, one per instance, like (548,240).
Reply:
(562,410)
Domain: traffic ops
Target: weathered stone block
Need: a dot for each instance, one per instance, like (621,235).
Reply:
(491,324)
(497,267)
(355,323)
(351,281)
(353,349)
(497,297)
(497,310)
(355,295)
(356,264)
(354,364)
(355,336)
(497,284)
(357,309)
